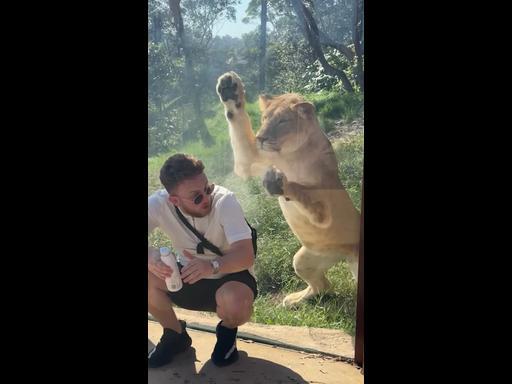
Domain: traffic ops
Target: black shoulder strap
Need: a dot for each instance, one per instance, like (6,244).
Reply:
(204,243)
(254,236)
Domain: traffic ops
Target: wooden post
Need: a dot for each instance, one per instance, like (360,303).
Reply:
(359,347)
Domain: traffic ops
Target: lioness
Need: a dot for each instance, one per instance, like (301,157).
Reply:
(297,163)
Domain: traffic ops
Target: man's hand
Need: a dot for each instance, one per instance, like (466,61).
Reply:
(158,268)
(196,269)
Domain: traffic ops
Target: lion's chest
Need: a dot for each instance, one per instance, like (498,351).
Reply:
(308,234)
(341,226)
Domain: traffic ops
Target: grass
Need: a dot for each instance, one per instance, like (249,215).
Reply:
(349,153)
(331,107)
(276,242)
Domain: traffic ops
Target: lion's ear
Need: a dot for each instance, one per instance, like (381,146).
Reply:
(264,100)
(305,109)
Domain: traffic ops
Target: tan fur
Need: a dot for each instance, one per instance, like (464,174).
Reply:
(290,150)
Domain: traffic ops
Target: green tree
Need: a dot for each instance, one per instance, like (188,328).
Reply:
(345,19)
(179,37)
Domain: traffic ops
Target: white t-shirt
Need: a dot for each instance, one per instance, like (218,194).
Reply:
(224,225)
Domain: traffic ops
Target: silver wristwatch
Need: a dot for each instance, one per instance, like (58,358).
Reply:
(215,265)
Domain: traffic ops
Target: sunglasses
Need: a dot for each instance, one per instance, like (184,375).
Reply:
(199,198)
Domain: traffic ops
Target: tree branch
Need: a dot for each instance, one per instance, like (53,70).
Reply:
(328,42)
(309,27)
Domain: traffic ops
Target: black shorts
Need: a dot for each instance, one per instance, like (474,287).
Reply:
(200,296)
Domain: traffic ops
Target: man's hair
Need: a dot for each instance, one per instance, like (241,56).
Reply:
(177,168)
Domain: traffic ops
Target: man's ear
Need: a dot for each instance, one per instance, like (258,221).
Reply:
(173,199)
(263,101)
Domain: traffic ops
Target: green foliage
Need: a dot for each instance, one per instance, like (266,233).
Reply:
(176,80)
(253,110)
(289,55)
(336,18)
(350,157)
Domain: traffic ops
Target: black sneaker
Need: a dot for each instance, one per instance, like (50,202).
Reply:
(225,352)
(170,344)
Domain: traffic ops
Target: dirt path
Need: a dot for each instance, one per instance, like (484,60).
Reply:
(258,364)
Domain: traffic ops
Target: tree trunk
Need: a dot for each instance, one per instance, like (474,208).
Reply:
(156,31)
(357,34)
(310,29)
(263,45)
(199,124)
(190,90)
(177,21)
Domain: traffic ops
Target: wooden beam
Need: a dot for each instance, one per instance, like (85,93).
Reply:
(359,347)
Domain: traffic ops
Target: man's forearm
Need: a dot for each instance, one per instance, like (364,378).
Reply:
(238,258)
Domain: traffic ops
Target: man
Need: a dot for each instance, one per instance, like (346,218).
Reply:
(222,284)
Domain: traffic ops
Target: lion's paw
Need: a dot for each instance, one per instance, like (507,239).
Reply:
(231,90)
(274,181)
(294,299)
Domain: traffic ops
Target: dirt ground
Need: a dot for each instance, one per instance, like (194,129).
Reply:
(258,363)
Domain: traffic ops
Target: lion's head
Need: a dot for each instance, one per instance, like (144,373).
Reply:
(287,123)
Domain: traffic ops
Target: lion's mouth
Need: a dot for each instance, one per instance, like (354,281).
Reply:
(269,146)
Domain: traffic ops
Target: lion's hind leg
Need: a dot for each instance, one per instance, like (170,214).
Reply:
(311,267)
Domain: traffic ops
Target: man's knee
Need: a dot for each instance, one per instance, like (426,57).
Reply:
(155,287)
(155,282)
(234,302)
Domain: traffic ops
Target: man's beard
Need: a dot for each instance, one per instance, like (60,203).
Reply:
(201,213)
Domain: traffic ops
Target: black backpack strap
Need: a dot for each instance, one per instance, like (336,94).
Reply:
(254,236)
(204,243)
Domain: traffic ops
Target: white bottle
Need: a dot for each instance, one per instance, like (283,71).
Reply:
(174,282)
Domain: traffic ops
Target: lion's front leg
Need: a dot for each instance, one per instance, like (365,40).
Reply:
(243,141)
(276,183)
